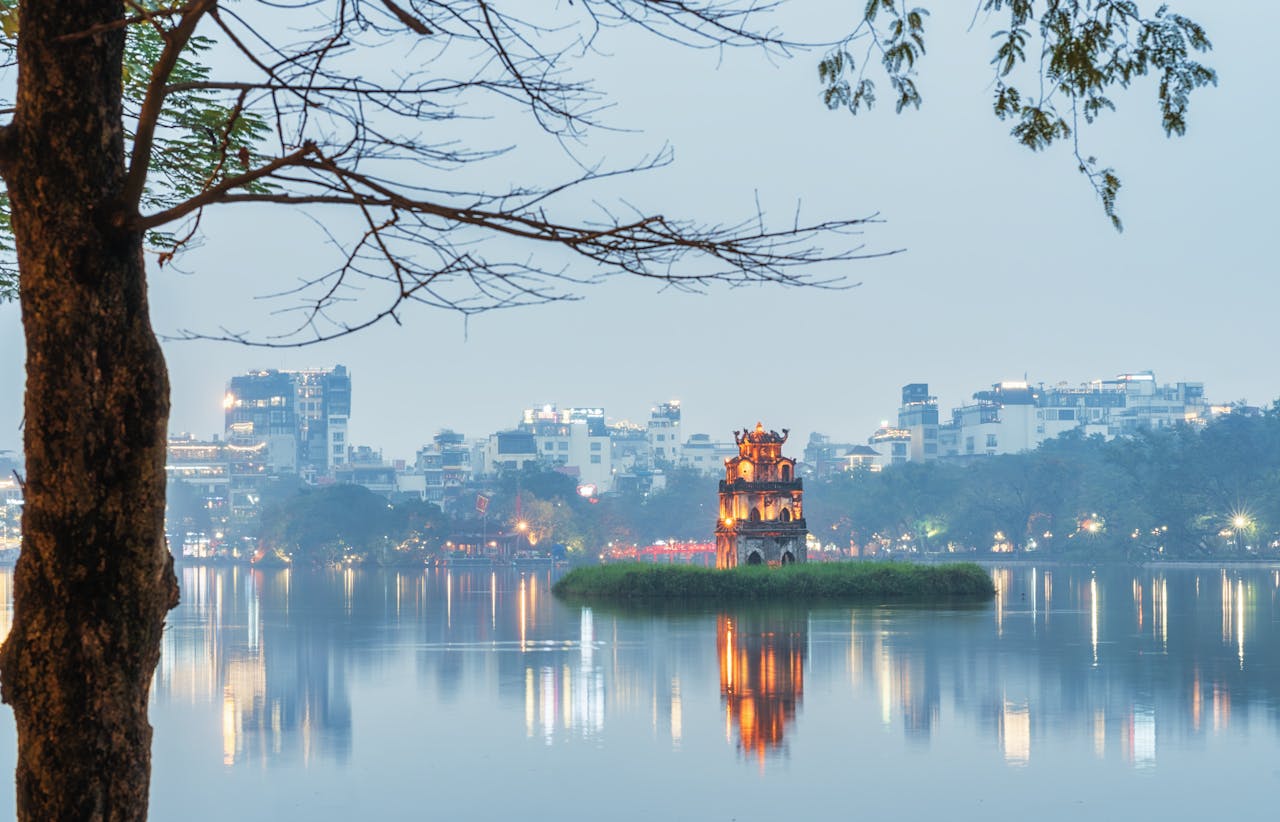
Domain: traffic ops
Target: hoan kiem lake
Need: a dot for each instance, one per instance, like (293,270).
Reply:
(1107,693)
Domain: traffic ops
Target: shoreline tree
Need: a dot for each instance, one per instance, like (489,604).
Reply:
(121,136)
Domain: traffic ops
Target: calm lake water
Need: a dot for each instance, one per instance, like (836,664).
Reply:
(368,694)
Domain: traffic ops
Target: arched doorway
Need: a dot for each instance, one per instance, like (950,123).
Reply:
(786,473)
(785,516)
(787,558)
(755,515)
(754,558)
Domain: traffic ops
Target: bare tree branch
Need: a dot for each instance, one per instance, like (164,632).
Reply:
(350,136)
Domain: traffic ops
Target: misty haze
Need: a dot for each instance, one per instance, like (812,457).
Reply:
(638,410)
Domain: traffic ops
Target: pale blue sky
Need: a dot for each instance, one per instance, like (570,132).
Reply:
(1010,267)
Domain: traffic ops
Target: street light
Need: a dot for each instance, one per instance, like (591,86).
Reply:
(1240,523)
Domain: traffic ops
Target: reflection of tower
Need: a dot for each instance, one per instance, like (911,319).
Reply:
(761,519)
(761,675)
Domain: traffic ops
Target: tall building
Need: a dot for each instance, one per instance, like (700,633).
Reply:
(297,420)
(918,415)
(324,409)
(446,466)
(761,515)
(663,434)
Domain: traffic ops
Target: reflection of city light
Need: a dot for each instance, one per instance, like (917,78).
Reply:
(1093,617)
(1240,620)
(1015,732)
(1142,736)
(524,615)
(1196,699)
(229,728)
(529,702)
(677,712)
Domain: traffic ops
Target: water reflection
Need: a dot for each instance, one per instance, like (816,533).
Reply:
(762,655)
(305,670)
(1122,657)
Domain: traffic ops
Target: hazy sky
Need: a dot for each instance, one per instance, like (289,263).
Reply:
(1010,266)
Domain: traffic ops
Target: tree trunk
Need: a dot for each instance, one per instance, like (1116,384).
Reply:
(95,578)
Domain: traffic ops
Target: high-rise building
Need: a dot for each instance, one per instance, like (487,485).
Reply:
(663,434)
(291,422)
(323,411)
(918,414)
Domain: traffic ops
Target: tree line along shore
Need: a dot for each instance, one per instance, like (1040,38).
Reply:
(1188,493)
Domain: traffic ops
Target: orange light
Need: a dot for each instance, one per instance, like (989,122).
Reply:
(728,522)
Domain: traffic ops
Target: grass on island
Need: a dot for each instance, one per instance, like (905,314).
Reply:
(801,583)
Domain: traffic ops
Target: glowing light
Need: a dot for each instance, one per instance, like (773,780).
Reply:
(229,400)
(728,522)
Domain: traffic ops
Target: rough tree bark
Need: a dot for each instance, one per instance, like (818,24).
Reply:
(95,578)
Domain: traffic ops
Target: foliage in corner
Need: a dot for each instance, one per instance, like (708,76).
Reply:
(199,141)
(1081,51)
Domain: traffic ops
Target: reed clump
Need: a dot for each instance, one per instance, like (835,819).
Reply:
(800,583)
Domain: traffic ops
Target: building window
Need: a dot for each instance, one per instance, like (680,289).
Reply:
(564,446)
(338,436)
(595,446)
(549,446)
(662,438)
(595,459)
(337,450)
(991,440)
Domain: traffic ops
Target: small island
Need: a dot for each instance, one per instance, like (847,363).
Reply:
(761,556)
(853,582)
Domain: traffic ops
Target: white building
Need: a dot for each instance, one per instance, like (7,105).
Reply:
(663,434)
(575,440)
(700,453)
(1014,416)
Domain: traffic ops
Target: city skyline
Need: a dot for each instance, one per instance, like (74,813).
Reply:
(1206,406)
(1010,265)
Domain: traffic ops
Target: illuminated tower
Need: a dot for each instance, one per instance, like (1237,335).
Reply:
(761,519)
